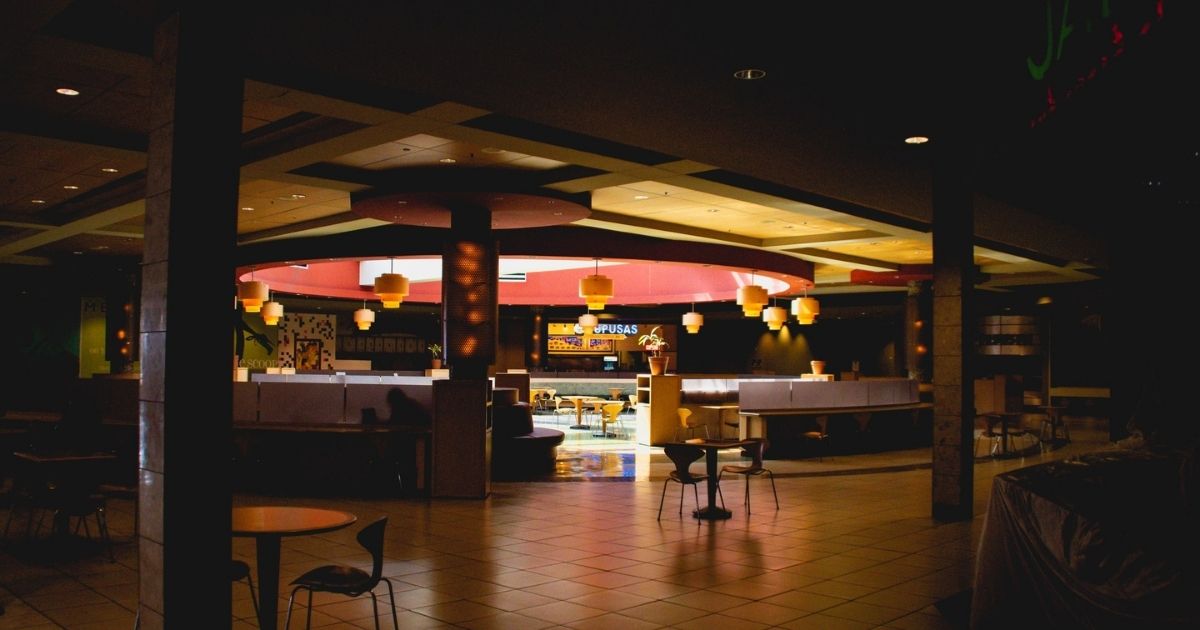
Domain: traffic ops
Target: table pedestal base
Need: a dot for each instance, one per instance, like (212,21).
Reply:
(712,513)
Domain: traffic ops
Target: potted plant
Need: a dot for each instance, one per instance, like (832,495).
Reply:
(435,351)
(655,344)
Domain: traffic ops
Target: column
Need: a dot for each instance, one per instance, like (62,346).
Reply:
(953,384)
(469,284)
(912,314)
(185,426)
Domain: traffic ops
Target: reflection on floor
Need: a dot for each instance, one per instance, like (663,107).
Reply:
(843,551)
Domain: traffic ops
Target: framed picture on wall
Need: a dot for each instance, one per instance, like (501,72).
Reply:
(308,354)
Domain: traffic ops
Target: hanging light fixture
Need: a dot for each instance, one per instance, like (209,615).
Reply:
(751,298)
(391,287)
(364,317)
(588,323)
(271,312)
(596,289)
(693,320)
(775,316)
(805,308)
(253,293)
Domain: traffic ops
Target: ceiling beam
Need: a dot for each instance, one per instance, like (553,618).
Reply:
(827,238)
(843,260)
(84,225)
(614,219)
(332,224)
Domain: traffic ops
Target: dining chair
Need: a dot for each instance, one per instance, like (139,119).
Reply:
(754,469)
(239,571)
(612,415)
(347,580)
(682,456)
(686,424)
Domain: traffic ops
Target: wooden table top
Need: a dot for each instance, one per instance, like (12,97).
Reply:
(52,457)
(285,520)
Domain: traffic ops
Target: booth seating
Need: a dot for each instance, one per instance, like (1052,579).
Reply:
(519,450)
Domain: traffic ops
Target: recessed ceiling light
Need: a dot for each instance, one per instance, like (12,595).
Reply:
(247,209)
(558,214)
(109,169)
(641,196)
(714,209)
(66,91)
(70,187)
(492,150)
(916,140)
(447,160)
(749,74)
(77,253)
(100,248)
(37,201)
(292,197)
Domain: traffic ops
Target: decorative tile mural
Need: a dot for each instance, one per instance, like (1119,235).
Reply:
(307,342)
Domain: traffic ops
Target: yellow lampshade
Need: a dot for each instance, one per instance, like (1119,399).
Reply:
(775,316)
(806,309)
(752,298)
(693,321)
(595,289)
(588,322)
(364,317)
(271,312)
(253,293)
(391,289)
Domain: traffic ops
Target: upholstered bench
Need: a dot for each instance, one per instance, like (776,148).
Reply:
(519,450)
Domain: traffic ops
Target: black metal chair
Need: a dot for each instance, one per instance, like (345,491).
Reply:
(241,571)
(755,468)
(683,456)
(347,580)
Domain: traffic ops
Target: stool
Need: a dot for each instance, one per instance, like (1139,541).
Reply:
(820,436)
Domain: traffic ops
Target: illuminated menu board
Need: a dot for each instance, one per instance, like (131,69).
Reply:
(568,338)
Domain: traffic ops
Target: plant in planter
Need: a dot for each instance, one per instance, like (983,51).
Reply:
(435,351)
(655,344)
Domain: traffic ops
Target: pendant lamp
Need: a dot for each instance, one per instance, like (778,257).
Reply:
(391,287)
(588,322)
(751,298)
(364,317)
(596,289)
(693,320)
(271,312)
(253,293)
(805,309)
(775,316)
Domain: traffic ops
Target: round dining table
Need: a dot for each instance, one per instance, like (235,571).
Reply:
(268,524)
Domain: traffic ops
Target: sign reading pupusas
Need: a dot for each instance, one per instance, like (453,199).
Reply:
(603,328)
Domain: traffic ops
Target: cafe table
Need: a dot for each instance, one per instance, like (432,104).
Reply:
(268,524)
(712,447)
(578,402)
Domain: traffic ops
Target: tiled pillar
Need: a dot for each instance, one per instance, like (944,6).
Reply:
(953,385)
(912,314)
(186,346)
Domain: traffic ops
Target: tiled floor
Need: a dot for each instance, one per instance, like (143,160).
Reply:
(843,551)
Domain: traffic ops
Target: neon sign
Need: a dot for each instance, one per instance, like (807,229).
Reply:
(1080,46)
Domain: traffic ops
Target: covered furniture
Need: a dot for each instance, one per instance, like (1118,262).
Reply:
(520,449)
(1104,540)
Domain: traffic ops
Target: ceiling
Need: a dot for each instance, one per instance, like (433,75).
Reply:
(634,111)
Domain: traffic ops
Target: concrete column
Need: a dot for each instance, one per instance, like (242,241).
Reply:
(185,422)
(953,385)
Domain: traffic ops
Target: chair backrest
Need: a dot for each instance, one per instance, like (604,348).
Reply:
(371,538)
(612,410)
(683,456)
(756,453)
(683,417)
(550,393)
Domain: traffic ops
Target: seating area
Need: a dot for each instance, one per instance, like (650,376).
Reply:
(519,449)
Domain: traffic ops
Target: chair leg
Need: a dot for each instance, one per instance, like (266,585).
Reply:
(771,476)
(392,597)
(747,494)
(695,494)
(661,500)
(253,595)
(374,608)
(681,488)
(308,624)
(287,621)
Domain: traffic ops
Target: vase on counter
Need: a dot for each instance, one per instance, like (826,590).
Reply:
(658,365)
(818,367)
